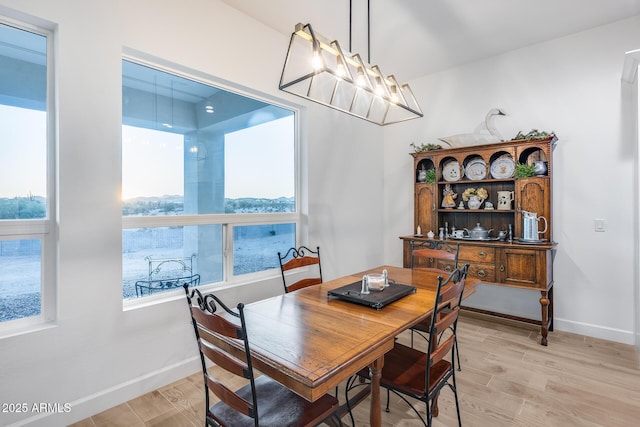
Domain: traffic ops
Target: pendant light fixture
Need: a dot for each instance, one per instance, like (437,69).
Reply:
(318,69)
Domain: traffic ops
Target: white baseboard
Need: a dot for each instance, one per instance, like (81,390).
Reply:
(517,302)
(113,396)
(595,331)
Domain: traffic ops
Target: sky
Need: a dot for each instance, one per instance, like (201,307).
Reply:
(153,160)
(23,147)
(152,163)
(267,173)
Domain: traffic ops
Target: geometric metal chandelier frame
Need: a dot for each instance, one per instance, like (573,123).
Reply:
(318,69)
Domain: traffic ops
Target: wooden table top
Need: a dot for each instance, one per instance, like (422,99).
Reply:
(311,343)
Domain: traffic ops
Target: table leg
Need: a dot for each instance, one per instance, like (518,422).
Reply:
(375,371)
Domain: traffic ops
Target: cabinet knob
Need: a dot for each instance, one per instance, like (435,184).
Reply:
(501,267)
(482,273)
(482,254)
(447,268)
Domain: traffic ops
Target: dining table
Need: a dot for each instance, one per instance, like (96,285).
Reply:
(311,342)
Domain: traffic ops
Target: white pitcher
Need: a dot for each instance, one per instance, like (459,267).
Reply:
(504,200)
(530,222)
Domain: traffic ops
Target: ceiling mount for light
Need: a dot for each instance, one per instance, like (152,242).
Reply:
(319,70)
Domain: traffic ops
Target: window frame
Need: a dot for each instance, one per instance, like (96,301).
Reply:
(42,229)
(226,220)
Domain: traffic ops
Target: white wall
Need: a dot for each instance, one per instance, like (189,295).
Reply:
(98,355)
(571,86)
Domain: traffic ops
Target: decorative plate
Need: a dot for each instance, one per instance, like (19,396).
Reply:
(476,169)
(503,167)
(451,171)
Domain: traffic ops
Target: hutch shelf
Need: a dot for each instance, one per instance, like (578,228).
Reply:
(511,261)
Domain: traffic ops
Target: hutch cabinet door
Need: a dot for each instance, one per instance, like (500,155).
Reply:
(523,268)
(425,205)
(534,195)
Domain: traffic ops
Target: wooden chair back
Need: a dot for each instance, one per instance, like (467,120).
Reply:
(421,375)
(431,250)
(440,372)
(211,329)
(297,259)
(445,316)
(222,339)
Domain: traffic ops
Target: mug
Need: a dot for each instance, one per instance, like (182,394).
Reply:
(504,200)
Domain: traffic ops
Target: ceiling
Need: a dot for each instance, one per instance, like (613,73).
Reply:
(413,38)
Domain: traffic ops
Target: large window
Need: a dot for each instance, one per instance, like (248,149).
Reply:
(26,246)
(208,182)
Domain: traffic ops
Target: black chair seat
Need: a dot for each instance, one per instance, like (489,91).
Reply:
(278,407)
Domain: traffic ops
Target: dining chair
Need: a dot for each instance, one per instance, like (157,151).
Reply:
(433,251)
(411,373)
(262,401)
(295,260)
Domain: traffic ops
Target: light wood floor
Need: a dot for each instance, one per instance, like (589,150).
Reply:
(507,379)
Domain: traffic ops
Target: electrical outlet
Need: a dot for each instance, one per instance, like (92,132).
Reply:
(599,224)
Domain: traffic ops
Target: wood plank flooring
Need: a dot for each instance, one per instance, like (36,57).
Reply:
(507,379)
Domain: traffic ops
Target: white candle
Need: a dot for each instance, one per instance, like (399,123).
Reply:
(418,230)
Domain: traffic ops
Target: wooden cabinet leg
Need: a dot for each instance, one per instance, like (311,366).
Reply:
(544,326)
(551,309)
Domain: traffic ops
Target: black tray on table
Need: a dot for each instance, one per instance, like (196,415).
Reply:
(374,299)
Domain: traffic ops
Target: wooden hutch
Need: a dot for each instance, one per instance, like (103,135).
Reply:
(510,262)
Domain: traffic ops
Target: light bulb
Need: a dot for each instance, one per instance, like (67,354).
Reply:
(340,71)
(316,61)
(360,79)
(379,88)
(394,94)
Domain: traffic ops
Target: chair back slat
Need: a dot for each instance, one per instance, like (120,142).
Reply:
(300,262)
(229,397)
(304,283)
(224,360)
(434,253)
(216,324)
(452,294)
(446,320)
(442,350)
